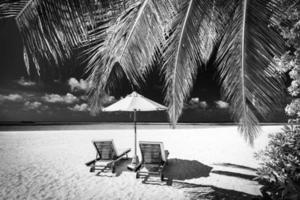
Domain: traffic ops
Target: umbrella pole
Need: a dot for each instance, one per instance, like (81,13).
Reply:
(135,160)
(135,137)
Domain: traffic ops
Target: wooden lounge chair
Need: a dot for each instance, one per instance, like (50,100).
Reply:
(154,159)
(106,156)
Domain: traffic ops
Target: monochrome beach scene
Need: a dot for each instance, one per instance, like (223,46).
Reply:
(50,164)
(150,99)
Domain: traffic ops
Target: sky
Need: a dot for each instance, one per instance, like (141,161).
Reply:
(26,98)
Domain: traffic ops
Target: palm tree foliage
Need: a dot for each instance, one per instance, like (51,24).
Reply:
(50,30)
(185,47)
(245,52)
(129,41)
(123,38)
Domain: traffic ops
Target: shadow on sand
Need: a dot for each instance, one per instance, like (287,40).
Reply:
(234,174)
(208,192)
(244,175)
(235,166)
(176,169)
(185,169)
(179,170)
(121,166)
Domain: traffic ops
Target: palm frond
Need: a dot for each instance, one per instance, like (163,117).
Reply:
(11,8)
(51,29)
(212,26)
(186,45)
(130,41)
(246,51)
(26,60)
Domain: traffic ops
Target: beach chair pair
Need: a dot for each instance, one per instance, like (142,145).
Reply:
(154,158)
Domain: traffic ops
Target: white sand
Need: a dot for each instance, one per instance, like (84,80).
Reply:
(51,164)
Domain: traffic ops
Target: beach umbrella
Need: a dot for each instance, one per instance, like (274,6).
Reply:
(134,102)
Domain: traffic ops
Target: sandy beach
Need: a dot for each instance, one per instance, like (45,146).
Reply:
(205,162)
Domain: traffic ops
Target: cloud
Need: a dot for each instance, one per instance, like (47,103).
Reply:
(78,86)
(36,106)
(203,104)
(84,97)
(11,97)
(107,100)
(70,98)
(80,108)
(194,100)
(56,98)
(32,105)
(24,82)
(195,103)
(221,104)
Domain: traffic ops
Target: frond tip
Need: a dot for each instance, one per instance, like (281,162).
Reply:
(184,49)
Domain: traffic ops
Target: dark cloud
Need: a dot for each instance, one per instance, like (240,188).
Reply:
(203,104)
(25,83)
(84,97)
(35,105)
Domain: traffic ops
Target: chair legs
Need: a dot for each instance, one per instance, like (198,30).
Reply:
(162,177)
(113,168)
(102,168)
(92,169)
(159,173)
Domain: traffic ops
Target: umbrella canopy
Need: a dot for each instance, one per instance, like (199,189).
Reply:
(134,101)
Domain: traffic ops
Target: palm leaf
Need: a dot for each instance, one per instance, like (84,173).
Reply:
(211,27)
(130,41)
(11,8)
(186,45)
(26,60)
(246,51)
(51,29)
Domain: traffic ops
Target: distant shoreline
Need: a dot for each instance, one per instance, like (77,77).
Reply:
(107,125)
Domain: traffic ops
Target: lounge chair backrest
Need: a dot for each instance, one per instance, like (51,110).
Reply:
(105,149)
(152,152)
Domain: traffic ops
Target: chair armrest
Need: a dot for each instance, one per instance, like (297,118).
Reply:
(92,162)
